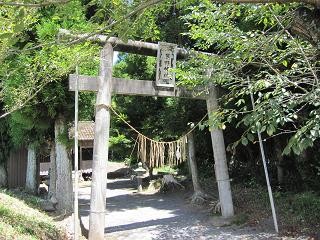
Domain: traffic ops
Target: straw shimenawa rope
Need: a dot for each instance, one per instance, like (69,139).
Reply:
(159,153)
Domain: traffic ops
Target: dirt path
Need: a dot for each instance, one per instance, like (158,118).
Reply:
(133,216)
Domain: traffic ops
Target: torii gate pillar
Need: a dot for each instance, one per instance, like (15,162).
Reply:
(220,159)
(100,146)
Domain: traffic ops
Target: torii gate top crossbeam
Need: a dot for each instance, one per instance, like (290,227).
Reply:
(131,87)
(136,47)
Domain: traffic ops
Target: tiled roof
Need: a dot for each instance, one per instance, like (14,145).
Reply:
(86,130)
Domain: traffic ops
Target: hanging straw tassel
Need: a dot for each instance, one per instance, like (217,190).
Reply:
(175,147)
(157,154)
(142,155)
(154,154)
(184,149)
(145,149)
(139,147)
(169,154)
(178,152)
(151,154)
(162,154)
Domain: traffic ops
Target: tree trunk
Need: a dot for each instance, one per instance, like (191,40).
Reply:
(280,174)
(193,164)
(198,197)
(3,176)
(220,159)
(278,153)
(63,171)
(52,172)
(151,173)
(31,174)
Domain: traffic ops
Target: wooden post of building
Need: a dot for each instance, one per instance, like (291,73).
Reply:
(219,152)
(80,157)
(100,149)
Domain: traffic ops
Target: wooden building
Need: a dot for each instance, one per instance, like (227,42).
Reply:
(17,162)
(86,136)
(17,167)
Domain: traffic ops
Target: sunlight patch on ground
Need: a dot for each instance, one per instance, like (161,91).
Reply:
(148,214)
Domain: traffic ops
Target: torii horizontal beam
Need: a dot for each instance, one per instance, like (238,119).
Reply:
(136,47)
(132,87)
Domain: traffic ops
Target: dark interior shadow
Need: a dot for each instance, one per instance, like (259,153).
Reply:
(122,184)
(119,173)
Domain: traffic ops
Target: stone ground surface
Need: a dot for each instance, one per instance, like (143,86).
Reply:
(155,216)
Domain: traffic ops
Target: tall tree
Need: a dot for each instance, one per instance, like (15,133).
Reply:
(31,174)
(256,51)
(63,169)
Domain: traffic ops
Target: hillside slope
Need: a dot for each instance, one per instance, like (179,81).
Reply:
(21,219)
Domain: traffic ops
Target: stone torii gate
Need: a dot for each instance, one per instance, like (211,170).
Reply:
(106,85)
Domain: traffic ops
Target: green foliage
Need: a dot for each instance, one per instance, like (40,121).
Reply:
(142,25)
(120,146)
(253,54)
(14,23)
(63,137)
(298,212)
(35,66)
(135,67)
(240,219)
(306,206)
(86,106)
(4,141)
(37,80)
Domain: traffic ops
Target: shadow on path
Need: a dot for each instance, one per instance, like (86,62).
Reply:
(133,216)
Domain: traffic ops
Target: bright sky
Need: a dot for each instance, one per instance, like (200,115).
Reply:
(115,56)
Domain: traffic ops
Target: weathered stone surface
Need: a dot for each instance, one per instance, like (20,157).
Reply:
(31,173)
(47,205)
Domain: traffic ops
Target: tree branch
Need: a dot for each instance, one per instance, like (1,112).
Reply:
(20,106)
(312,2)
(299,46)
(95,35)
(43,4)
(141,7)
(109,26)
